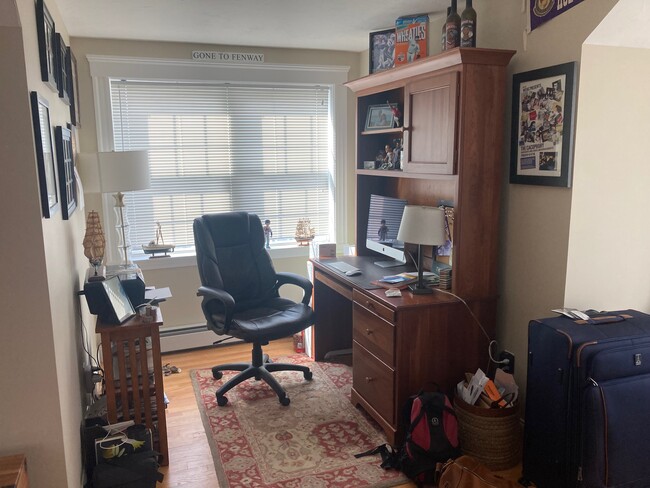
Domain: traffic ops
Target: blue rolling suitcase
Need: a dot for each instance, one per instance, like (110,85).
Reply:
(587,421)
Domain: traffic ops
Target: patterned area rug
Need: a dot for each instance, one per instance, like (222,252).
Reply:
(256,442)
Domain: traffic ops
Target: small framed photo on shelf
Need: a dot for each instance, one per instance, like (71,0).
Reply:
(382,50)
(44,155)
(46,48)
(543,107)
(379,117)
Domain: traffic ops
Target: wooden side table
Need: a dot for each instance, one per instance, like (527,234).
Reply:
(133,375)
(13,472)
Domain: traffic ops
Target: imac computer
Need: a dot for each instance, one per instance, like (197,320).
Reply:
(384,218)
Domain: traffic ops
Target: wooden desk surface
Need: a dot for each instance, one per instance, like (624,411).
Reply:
(13,471)
(372,272)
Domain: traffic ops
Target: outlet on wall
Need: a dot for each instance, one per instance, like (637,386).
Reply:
(510,357)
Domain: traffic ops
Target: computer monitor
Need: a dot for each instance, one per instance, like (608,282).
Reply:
(384,218)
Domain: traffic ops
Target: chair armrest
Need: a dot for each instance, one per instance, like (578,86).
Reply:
(296,279)
(224,298)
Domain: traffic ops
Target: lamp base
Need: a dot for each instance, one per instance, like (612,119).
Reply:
(416,290)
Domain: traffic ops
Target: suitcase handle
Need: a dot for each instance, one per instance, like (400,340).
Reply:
(605,319)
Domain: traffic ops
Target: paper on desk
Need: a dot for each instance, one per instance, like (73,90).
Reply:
(158,293)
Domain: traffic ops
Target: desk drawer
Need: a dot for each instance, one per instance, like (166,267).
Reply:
(374,306)
(374,381)
(373,333)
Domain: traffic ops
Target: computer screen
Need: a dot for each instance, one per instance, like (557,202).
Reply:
(384,219)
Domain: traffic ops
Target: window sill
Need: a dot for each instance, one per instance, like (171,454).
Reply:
(188,259)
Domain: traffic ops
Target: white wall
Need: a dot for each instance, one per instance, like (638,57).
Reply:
(41,401)
(609,241)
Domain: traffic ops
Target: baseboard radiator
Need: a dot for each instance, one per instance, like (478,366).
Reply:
(189,337)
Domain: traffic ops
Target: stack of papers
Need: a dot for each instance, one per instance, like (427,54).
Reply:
(479,390)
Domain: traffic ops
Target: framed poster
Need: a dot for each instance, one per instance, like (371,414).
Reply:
(62,65)
(65,159)
(74,91)
(46,49)
(543,105)
(382,50)
(44,155)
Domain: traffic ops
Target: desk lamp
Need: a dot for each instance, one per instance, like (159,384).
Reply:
(119,172)
(423,226)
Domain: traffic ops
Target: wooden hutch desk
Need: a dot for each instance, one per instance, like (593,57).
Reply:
(143,398)
(400,344)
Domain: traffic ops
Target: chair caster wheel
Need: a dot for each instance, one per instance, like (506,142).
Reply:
(285,400)
(217,375)
(308,375)
(257,378)
(221,400)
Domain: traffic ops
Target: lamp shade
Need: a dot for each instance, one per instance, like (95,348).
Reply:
(124,171)
(422,225)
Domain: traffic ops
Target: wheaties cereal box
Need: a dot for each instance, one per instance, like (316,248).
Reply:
(411,41)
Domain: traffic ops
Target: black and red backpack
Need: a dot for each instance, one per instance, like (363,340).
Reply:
(431,437)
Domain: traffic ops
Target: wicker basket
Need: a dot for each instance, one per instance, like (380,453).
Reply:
(492,435)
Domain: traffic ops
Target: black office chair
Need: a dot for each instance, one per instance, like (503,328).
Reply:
(240,295)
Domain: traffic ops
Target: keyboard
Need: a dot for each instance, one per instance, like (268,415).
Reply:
(342,267)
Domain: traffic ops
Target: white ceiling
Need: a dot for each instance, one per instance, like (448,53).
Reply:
(341,25)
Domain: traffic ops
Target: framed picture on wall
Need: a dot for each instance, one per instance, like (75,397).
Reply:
(543,107)
(46,49)
(44,155)
(382,50)
(65,160)
(63,78)
(74,91)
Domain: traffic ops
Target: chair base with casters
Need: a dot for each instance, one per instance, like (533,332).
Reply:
(260,369)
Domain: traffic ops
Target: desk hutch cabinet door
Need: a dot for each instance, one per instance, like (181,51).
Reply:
(430,125)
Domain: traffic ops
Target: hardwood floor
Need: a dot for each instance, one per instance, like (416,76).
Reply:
(190,460)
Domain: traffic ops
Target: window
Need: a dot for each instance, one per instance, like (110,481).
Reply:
(217,147)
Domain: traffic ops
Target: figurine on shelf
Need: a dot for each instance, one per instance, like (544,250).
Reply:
(305,233)
(387,162)
(396,113)
(268,233)
(158,245)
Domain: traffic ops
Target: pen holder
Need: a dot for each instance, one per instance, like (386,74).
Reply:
(492,435)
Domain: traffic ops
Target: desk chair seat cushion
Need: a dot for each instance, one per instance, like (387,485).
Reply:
(273,319)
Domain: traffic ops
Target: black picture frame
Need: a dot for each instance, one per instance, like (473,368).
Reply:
(63,78)
(75,118)
(44,155)
(67,178)
(381,53)
(45,31)
(543,121)
(379,117)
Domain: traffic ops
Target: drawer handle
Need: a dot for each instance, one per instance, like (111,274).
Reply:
(370,305)
(368,331)
(369,379)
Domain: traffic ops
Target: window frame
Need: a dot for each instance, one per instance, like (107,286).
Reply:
(105,68)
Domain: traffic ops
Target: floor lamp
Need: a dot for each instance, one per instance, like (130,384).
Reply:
(120,172)
(424,226)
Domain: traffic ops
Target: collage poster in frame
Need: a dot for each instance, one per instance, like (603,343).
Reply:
(382,50)
(46,45)
(543,107)
(65,160)
(44,155)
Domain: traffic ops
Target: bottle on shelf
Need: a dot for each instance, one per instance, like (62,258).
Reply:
(444,31)
(468,26)
(452,27)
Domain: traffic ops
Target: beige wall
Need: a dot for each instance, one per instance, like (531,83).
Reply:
(41,401)
(609,258)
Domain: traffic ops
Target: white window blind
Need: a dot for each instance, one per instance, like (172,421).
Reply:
(223,147)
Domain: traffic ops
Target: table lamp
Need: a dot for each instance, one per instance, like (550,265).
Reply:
(120,172)
(424,226)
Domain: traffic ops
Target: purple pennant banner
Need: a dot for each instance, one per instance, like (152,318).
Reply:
(544,10)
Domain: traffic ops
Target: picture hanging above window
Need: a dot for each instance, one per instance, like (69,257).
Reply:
(379,117)
(44,155)
(67,183)
(46,48)
(543,104)
(382,50)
